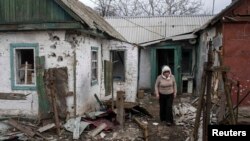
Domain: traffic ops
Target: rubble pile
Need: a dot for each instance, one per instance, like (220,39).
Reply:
(185,114)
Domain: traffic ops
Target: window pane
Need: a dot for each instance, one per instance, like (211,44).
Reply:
(94,65)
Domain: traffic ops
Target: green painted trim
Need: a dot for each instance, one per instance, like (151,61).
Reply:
(153,61)
(13,46)
(41,26)
(44,105)
(69,11)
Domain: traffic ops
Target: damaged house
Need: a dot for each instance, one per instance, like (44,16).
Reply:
(164,40)
(228,34)
(60,52)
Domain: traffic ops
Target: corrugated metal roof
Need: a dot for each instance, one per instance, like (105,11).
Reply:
(91,18)
(144,29)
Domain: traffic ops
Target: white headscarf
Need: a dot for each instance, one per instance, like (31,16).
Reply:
(166,68)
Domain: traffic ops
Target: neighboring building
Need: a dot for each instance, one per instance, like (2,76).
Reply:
(229,32)
(163,40)
(58,47)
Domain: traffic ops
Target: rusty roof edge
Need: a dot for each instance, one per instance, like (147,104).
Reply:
(218,16)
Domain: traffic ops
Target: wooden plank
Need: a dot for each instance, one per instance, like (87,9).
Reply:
(107,77)
(13,96)
(227,92)
(200,106)
(220,68)
(46,127)
(120,107)
(24,129)
(44,105)
(60,81)
(61,89)
(144,127)
(74,75)
(238,100)
(207,111)
(53,97)
(98,129)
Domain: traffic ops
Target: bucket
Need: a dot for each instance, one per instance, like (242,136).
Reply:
(140,94)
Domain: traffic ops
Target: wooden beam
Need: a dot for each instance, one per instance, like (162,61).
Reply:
(98,129)
(44,105)
(227,92)
(144,127)
(24,129)
(46,127)
(220,68)
(13,96)
(41,26)
(200,106)
(207,110)
(74,82)
(53,97)
(120,107)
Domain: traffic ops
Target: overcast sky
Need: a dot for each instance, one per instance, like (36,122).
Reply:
(208,4)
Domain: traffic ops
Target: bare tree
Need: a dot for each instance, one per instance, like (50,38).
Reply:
(127,7)
(147,7)
(105,7)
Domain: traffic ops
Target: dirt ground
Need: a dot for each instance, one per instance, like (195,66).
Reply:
(158,131)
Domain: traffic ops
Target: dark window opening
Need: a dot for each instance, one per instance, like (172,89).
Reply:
(165,57)
(184,86)
(25,72)
(186,61)
(118,65)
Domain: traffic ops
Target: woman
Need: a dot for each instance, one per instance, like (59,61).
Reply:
(165,90)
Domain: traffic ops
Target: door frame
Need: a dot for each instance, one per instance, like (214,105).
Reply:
(177,64)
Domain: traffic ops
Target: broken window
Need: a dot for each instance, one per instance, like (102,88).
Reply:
(23,66)
(118,65)
(94,65)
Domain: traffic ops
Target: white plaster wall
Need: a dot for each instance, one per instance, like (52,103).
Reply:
(145,69)
(60,47)
(131,66)
(85,91)
(205,36)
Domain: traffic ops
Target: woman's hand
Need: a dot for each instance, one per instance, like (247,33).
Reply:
(174,95)
(157,96)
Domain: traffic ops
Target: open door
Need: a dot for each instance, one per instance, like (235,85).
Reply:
(170,56)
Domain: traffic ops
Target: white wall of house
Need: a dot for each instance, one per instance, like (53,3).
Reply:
(205,37)
(59,43)
(131,69)
(145,69)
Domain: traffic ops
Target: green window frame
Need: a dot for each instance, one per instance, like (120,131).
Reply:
(23,65)
(94,66)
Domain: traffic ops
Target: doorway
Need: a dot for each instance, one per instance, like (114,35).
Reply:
(165,57)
